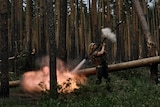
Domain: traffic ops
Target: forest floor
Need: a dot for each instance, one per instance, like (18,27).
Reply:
(18,98)
(131,87)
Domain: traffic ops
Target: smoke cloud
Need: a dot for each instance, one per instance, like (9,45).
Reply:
(107,33)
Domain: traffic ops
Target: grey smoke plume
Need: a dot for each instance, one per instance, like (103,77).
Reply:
(107,33)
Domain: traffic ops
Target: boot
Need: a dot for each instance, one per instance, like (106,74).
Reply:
(108,85)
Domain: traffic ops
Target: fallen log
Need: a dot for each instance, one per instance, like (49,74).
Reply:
(13,83)
(113,67)
(122,66)
(18,56)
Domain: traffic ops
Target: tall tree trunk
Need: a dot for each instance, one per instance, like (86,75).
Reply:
(94,22)
(150,44)
(21,23)
(28,25)
(13,34)
(108,23)
(143,51)
(37,26)
(118,31)
(46,27)
(135,42)
(72,30)
(108,16)
(42,27)
(103,13)
(57,10)
(128,29)
(28,34)
(16,45)
(17,34)
(88,25)
(159,24)
(4,91)
(12,26)
(52,50)
(62,53)
(77,28)
(81,30)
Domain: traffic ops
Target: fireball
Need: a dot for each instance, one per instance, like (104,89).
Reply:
(34,82)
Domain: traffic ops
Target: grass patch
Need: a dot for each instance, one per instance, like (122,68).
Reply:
(130,88)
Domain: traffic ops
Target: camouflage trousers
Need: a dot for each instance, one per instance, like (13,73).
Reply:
(102,71)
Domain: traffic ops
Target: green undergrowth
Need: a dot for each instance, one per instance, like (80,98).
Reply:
(129,88)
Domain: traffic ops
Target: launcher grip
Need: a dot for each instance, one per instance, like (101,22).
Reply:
(104,40)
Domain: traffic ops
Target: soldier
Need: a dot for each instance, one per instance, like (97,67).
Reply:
(99,58)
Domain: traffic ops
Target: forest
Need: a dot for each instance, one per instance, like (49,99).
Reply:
(65,28)
(82,24)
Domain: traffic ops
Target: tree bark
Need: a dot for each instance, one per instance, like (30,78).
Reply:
(52,50)
(94,23)
(17,30)
(118,31)
(42,27)
(28,41)
(159,24)
(12,26)
(72,30)
(62,53)
(134,37)
(37,29)
(81,31)
(4,89)
(21,23)
(28,24)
